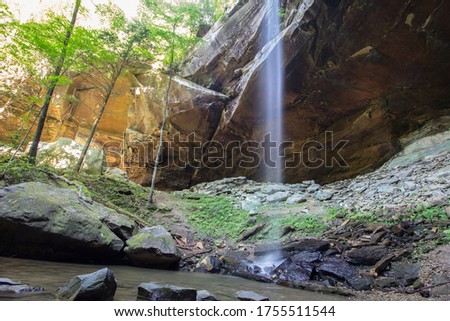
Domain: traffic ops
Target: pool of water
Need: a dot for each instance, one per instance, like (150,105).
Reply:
(51,275)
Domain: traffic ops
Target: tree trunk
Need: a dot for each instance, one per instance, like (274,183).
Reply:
(108,93)
(53,83)
(163,125)
(93,129)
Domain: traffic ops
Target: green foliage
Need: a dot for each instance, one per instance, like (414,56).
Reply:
(177,28)
(345,214)
(21,171)
(37,46)
(305,224)
(217,216)
(336,212)
(446,236)
(428,213)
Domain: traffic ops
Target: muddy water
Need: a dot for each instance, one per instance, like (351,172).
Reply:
(51,275)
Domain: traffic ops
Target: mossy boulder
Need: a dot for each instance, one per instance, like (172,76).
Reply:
(44,222)
(64,154)
(153,247)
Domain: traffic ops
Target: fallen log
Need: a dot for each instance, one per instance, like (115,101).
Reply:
(252,232)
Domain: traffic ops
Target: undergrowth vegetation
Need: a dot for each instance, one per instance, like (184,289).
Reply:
(216,216)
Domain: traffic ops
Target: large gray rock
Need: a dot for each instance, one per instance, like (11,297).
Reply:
(204,295)
(153,247)
(64,154)
(250,296)
(277,197)
(155,292)
(98,286)
(44,222)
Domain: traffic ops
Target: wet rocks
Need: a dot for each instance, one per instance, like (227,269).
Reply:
(209,264)
(250,296)
(98,286)
(293,270)
(308,244)
(342,270)
(203,295)
(8,286)
(152,247)
(367,255)
(405,273)
(155,292)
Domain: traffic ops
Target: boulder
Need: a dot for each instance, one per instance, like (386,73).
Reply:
(152,247)
(97,286)
(210,264)
(324,195)
(44,222)
(296,198)
(64,154)
(277,197)
(313,188)
(250,296)
(116,173)
(204,295)
(251,203)
(405,272)
(155,292)
(293,271)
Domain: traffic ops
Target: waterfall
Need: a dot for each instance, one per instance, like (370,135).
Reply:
(272,94)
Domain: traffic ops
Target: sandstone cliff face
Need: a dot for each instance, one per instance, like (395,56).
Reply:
(367,71)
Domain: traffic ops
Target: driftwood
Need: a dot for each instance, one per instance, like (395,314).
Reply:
(428,287)
(252,232)
(287,230)
(382,264)
(81,195)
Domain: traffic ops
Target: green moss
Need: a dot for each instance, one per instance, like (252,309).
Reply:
(216,216)
(137,240)
(303,224)
(20,171)
(345,214)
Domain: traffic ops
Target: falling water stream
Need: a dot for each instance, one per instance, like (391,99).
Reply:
(272,93)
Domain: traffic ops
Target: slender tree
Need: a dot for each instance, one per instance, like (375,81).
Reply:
(118,48)
(163,125)
(53,83)
(173,16)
